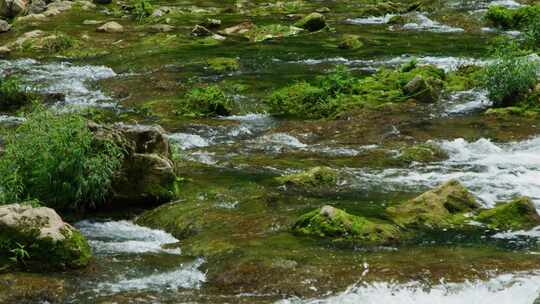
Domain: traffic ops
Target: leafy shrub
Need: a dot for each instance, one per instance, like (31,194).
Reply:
(54,159)
(531,34)
(142,9)
(507,18)
(57,43)
(13,95)
(206,102)
(509,77)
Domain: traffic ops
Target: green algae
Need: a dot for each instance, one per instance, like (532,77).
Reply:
(339,225)
(314,177)
(517,214)
(222,64)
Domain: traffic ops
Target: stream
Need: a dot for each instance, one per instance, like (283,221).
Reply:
(229,159)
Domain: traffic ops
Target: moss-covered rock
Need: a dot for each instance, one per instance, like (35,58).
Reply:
(314,177)
(37,238)
(517,214)
(423,153)
(442,207)
(207,101)
(350,42)
(221,64)
(426,90)
(337,224)
(312,22)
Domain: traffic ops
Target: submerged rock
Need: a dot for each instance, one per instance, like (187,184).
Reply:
(517,214)
(439,208)
(147,175)
(314,177)
(312,22)
(40,232)
(340,225)
(110,27)
(238,29)
(31,288)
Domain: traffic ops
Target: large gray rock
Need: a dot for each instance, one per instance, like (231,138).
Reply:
(4,26)
(12,8)
(147,175)
(37,7)
(49,241)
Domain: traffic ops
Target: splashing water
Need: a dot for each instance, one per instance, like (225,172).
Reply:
(493,172)
(70,80)
(504,289)
(125,237)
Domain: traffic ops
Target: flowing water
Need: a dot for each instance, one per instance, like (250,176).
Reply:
(230,159)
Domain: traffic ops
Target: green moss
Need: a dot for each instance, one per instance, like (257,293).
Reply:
(466,77)
(337,224)
(423,153)
(442,207)
(517,214)
(507,18)
(312,22)
(45,254)
(221,64)
(350,42)
(314,177)
(340,91)
(206,102)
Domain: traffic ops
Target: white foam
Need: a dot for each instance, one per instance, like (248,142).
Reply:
(533,233)
(115,237)
(446,63)
(371,20)
(187,141)
(73,81)
(506,3)
(187,276)
(494,172)
(281,140)
(464,102)
(421,22)
(503,289)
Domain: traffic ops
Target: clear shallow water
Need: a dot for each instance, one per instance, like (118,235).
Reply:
(503,289)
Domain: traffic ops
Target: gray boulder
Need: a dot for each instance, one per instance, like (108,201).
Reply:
(50,242)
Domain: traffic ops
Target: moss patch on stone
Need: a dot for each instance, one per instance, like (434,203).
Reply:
(314,177)
(337,224)
(423,153)
(517,214)
(442,207)
(222,64)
